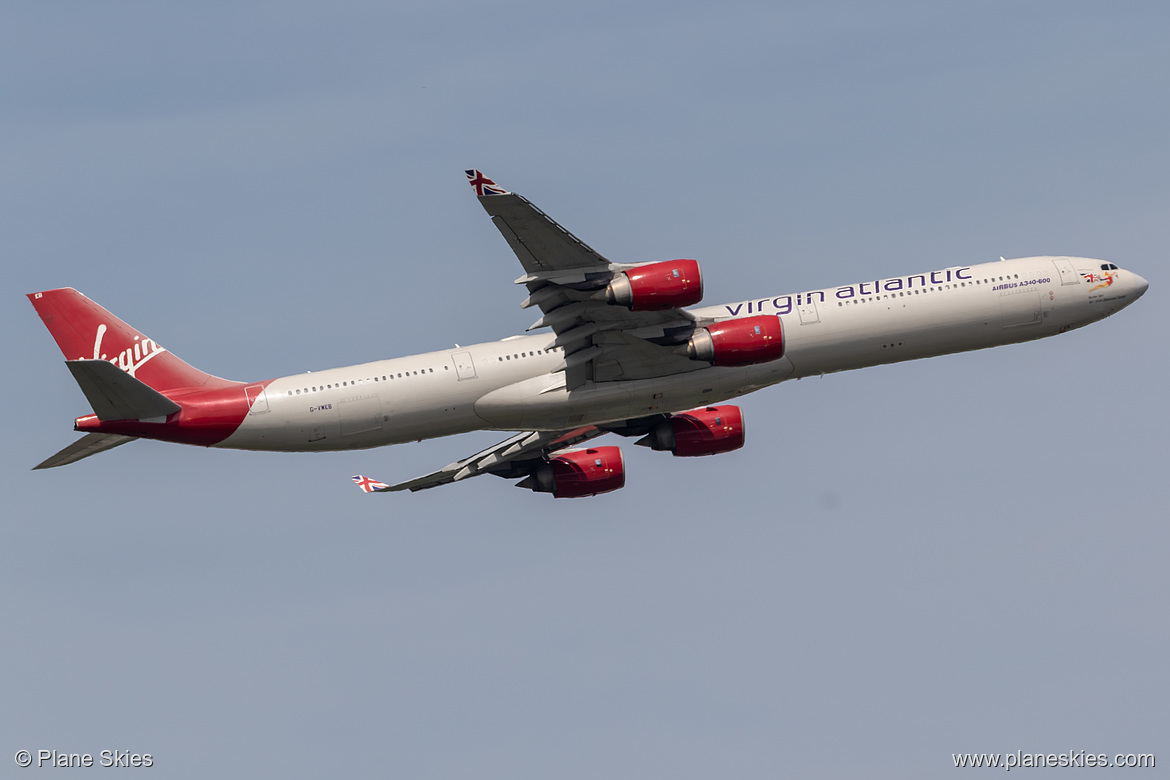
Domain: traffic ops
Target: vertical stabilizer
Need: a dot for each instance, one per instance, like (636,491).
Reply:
(85,331)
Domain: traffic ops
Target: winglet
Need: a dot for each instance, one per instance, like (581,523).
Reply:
(483,185)
(369,485)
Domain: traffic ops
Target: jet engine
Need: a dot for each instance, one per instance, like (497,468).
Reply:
(742,342)
(657,286)
(707,431)
(579,473)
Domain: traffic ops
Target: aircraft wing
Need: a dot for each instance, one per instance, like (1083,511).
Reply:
(506,459)
(567,281)
(541,245)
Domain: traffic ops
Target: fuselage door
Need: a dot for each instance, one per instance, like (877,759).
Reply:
(464,365)
(808,313)
(1068,274)
(257,401)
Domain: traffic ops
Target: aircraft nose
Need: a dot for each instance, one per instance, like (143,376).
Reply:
(1140,286)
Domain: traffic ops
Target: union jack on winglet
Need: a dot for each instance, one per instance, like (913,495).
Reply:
(483,185)
(368,485)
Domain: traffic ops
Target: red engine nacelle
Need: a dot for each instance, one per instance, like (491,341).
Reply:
(742,342)
(707,431)
(581,473)
(657,286)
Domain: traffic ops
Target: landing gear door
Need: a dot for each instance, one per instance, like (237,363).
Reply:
(1068,274)
(464,365)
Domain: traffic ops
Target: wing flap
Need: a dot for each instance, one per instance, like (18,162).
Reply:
(626,357)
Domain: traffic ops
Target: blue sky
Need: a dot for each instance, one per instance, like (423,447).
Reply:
(963,554)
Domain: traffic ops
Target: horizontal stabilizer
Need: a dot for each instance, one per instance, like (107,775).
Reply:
(115,395)
(90,444)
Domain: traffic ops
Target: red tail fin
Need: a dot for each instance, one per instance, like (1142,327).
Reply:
(84,330)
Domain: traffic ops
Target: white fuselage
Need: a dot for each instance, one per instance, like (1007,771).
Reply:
(510,384)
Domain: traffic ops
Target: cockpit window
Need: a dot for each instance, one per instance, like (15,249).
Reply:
(1108,267)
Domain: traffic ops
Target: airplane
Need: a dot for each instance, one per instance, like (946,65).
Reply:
(621,352)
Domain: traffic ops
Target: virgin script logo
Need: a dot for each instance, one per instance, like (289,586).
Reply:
(130,359)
